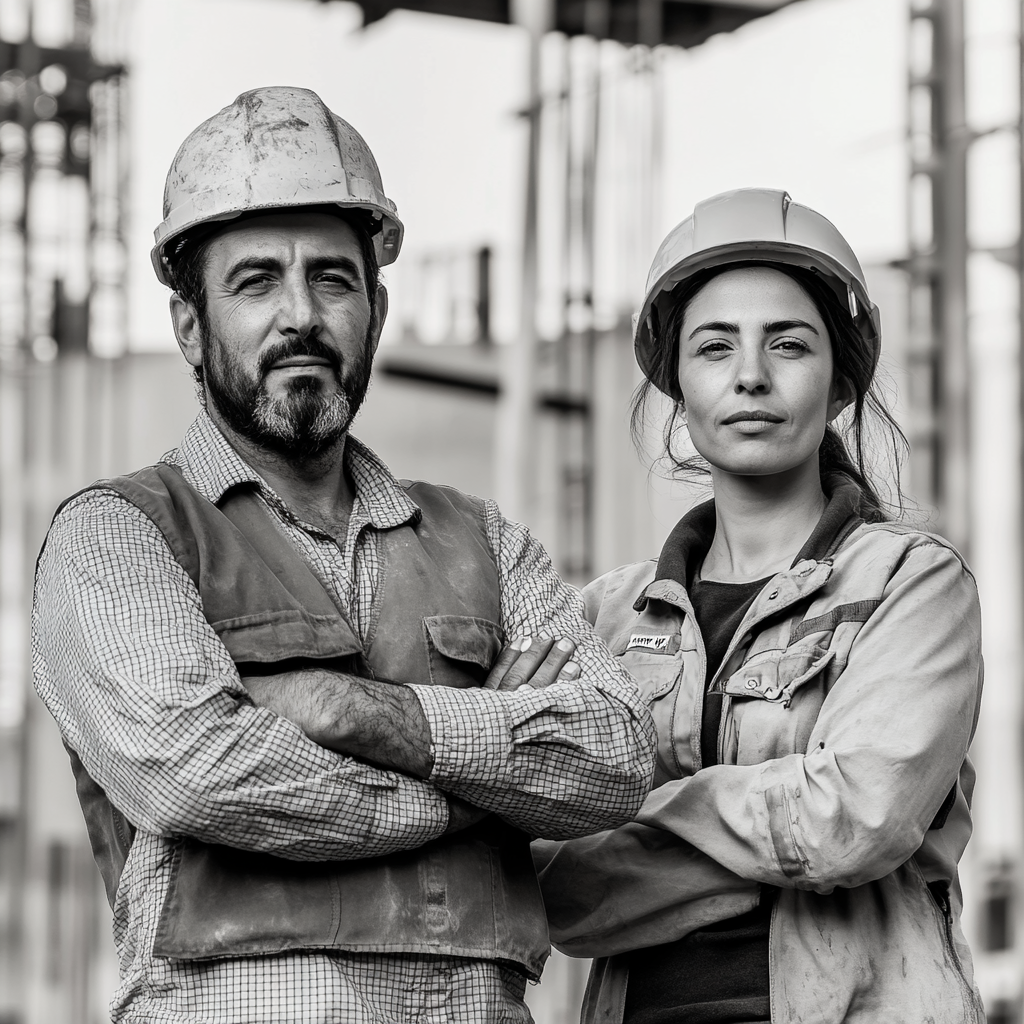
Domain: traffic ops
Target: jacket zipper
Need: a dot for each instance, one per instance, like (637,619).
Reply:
(940,893)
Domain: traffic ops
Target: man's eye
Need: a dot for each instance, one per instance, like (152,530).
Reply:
(335,281)
(254,283)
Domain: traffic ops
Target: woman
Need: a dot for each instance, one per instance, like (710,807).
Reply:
(813,668)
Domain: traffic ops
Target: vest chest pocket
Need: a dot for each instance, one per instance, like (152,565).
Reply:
(461,648)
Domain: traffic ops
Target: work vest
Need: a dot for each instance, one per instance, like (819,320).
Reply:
(434,621)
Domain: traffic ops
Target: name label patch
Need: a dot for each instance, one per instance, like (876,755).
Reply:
(648,643)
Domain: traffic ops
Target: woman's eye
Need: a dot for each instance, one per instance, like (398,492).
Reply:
(791,346)
(713,348)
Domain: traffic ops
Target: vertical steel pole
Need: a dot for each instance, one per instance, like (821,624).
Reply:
(517,428)
(951,233)
(1020,242)
(13,596)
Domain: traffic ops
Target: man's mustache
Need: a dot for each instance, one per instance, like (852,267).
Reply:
(289,348)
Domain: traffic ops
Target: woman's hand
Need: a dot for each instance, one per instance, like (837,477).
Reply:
(534,661)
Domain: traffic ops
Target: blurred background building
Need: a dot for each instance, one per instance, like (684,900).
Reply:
(538,151)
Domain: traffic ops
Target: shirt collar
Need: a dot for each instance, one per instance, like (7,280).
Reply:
(213,467)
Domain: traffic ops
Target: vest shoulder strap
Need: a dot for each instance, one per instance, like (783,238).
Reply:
(442,506)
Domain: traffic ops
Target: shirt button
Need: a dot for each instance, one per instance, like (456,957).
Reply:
(774,594)
(751,684)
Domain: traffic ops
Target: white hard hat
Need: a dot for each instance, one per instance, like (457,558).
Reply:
(760,225)
(273,148)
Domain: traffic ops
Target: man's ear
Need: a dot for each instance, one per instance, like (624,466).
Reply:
(843,394)
(186,330)
(379,316)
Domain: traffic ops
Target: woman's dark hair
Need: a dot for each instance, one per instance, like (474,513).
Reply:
(852,358)
(188,264)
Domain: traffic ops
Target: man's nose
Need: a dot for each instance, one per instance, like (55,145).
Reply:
(299,312)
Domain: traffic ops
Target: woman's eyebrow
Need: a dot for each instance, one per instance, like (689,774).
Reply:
(774,326)
(715,325)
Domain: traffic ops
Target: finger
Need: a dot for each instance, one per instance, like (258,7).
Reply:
(557,658)
(570,671)
(526,664)
(504,662)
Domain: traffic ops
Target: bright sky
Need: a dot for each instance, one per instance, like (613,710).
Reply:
(810,99)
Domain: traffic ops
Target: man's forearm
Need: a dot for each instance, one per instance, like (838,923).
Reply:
(375,721)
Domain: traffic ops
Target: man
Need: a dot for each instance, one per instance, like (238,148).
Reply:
(265,654)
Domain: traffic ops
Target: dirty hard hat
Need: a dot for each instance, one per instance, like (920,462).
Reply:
(750,225)
(273,148)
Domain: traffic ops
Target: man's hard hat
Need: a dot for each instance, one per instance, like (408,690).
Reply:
(273,148)
(760,225)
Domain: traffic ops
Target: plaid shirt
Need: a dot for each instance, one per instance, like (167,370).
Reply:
(147,695)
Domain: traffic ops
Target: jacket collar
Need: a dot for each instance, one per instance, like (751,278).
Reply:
(691,538)
(209,463)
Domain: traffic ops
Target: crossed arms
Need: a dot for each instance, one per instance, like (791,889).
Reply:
(383,723)
(147,695)
(889,741)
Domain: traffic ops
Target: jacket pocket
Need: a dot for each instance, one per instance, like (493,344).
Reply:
(772,703)
(655,674)
(461,648)
(777,675)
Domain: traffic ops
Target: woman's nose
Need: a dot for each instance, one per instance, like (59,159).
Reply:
(752,374)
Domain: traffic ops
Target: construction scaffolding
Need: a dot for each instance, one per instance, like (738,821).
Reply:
(937,265)
(63,162)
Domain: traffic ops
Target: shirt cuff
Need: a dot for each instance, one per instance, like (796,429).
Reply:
(470,734)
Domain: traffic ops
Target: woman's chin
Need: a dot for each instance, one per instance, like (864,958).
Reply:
(756,464)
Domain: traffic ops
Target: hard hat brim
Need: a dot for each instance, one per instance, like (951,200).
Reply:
(387,240)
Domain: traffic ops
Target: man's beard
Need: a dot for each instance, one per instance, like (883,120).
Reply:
(305,421)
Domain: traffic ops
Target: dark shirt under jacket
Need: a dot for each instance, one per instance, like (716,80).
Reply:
(719,974)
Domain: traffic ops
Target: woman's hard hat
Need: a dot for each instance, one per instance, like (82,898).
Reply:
(750,225)
(273,148)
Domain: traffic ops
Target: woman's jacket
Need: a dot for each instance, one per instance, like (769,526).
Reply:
(852,689)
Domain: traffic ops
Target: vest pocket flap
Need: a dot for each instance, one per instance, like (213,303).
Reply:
(776,675)
(465,638)
(290,633)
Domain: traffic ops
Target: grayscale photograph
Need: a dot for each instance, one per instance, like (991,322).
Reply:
(511,512)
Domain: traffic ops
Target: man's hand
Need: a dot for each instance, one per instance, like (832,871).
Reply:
(376,721)
(532,661)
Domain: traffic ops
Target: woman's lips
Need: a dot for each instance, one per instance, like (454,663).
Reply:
(753,416)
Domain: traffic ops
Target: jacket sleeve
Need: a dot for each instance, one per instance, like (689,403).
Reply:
(633,887)
(558,762)
(888,745)
(148,697)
